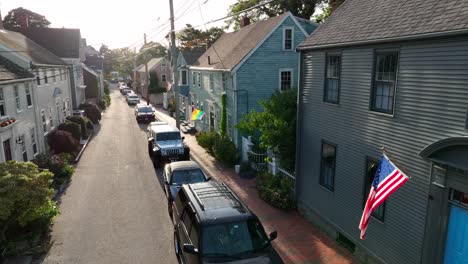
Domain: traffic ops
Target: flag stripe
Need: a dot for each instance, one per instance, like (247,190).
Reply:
(389,192)
(383,188)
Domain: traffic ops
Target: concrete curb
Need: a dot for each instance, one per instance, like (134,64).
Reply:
(78,157)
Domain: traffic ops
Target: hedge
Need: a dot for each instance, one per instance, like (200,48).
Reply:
(80,121)
(62,142)
(71,127)
(92,112)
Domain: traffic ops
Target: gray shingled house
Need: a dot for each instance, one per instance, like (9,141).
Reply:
(393,74)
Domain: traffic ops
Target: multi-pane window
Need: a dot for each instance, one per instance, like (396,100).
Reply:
(54,75)
(51,118)
(327,166)
(163,78)
(17,98)
(57,107)
(44,120)
(60,74)
(458,197)
(28,94)
(385,75)
(38,77)
(45,76)
(288,39)
(183,77)
(163,66)
(33,140)
(371,169)
(22,143)
(332,78)
(224,80)
(194,78)
(285,80)
(211,81)
(65,74)
(2,103)
(199,79)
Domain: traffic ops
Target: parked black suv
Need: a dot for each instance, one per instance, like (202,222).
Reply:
(211,225)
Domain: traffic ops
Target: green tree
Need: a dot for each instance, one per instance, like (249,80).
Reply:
(223,125)
(191,38)
(25,195)
(153,86)
(276,125)
(328,7)
(149,51)
(299,8)
(22,17)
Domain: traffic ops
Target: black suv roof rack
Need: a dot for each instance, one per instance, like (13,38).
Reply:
(204,193)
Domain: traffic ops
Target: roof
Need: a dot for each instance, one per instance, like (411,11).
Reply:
(91,71)
(191,56)
(216,203)
(151,64)
(184,165)
(63,42)
(363,21)
(28,48)
(11,71)
(232,47)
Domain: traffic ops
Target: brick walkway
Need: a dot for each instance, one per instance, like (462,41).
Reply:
(298,241)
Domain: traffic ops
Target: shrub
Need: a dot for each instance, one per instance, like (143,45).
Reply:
(225,151)
(106,89)
(275,190)
(92,112)
(62,141)
(89,124)
(59,165)
(80,121)
(71,127)
(26,196)
(207,140)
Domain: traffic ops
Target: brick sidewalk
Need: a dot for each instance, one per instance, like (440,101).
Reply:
(298,241)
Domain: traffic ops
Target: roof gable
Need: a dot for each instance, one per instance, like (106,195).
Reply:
(26,47)
(358,21)
(63,42)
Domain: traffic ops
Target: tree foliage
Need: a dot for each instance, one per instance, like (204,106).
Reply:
(153,86)
(149,51)
(25,196)
(299,8)
(22,17)
(223,125)
(328,7)
(191,38)
(276,125)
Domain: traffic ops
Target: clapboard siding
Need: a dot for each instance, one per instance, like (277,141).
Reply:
(431,104)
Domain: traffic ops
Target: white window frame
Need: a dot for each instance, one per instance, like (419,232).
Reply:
(211,82)
(2,102)
(27,90)
(279,77)
(57,107)
(23,149)
(163,65)
(46,79)
(163,78)
(224,80)
(38,77)
(186,77)
(17,98)
(54,75)
(60,74)
(51,117)
(284,38)
(34,141)
(194,78)
(44,120)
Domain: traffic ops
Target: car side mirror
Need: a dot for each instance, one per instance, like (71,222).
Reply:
(166,182)
(150,139)
(273,235)
(183,138)
(208,178)
(191,249)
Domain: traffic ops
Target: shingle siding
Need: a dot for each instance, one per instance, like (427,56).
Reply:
(431,104)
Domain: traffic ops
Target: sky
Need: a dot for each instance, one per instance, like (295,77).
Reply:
(120,23)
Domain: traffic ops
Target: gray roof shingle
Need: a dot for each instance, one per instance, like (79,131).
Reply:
(63,42)
(28,48)
(384,20)
(232,47)
(10,71)
(191,56)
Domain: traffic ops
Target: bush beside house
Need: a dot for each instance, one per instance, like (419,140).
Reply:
(222,149)
(92,112)
(275,190)
(81,121)
(62,142)
(71,127)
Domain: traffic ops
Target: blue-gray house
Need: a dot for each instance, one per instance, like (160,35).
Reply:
(247,65)
(392,74)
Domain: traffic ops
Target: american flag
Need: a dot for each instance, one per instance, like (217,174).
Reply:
(387,180)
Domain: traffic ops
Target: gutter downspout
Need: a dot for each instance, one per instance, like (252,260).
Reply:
(298,127)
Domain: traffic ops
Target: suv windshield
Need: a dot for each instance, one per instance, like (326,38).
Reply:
(168,136)
(234,239)
(145,109)
(187,176)
(133,97)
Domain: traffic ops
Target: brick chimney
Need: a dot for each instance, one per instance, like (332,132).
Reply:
(245,21)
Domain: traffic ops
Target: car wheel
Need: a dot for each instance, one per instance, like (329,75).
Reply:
(156,162)
(150,150)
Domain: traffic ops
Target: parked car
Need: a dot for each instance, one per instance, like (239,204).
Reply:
(79,113)
(133,99)
(126,91)
(177,173)
(144,113)
(212,225)
(166,145)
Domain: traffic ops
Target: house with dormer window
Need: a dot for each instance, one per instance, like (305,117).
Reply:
(247,65)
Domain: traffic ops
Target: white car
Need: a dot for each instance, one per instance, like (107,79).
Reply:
(133,99)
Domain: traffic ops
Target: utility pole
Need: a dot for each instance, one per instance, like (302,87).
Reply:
(146,74)
(174,66)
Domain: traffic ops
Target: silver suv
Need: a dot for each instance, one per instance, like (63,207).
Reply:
(165,144)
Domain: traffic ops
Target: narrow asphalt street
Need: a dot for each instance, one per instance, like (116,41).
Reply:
(114,210)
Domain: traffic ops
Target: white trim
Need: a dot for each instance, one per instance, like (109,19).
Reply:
(186,77)
(292,38)
(298,71)
(281,70)
(259,44)
(165,77)
(194,68)
(234,88)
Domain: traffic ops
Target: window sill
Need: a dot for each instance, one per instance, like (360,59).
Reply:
(30,106)
(19,111)
(382,114)
(331,104)
(291,50)
(326,189)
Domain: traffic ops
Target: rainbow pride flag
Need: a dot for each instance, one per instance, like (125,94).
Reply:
(197,114)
